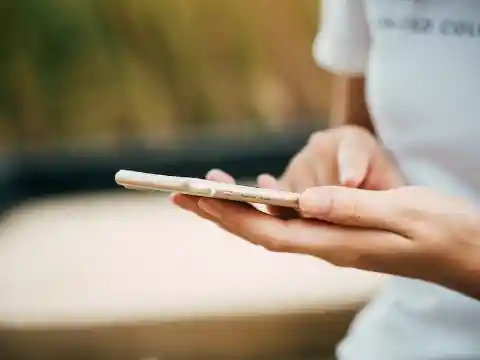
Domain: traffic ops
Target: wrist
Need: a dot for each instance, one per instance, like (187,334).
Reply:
(462,269)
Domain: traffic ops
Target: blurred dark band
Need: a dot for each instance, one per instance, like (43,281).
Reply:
(33,175)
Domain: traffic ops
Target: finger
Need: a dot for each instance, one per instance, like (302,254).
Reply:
(251,224)
(353,207)
(267,181)
(324,171)
(345,246)
(300,173)
(354,155)
(215,213)
(190,203)
(220,176)
(384,173)
(321,158)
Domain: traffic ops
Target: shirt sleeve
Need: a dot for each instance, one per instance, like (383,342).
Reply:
(343,42)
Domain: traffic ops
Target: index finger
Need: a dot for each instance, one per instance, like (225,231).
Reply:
(354,154)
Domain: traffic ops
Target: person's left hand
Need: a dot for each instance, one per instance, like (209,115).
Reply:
(410,231)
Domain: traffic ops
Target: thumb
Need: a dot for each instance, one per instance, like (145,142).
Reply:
(354,155)
(384,210)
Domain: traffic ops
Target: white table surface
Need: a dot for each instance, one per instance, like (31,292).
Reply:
(125,256)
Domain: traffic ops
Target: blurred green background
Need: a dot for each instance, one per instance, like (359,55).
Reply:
(102,73)
(164,86)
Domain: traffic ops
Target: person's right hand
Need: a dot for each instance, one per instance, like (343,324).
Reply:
(346,156)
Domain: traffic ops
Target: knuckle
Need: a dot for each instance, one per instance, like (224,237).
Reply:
(355,130)
(336,260)
(270,241)
(275,245)
(291,170)
(295,162)
(407,199)
(316,136)
(359,136)
(321,141)
(318,141)
(341,208)
(414,215)
(344,259)
(362,139)
(424,231)
(354,258)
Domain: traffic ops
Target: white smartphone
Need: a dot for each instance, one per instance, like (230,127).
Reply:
(205,188)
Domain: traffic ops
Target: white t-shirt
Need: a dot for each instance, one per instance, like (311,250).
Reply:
(421,59)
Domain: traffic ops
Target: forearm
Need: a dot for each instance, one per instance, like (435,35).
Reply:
(349,105)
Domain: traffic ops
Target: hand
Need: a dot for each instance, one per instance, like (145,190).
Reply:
(409,231)
(348,156)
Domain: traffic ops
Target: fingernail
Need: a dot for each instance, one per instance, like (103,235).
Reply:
(314,202)
(350,182)
(349,179)
(176,199)
(210,208)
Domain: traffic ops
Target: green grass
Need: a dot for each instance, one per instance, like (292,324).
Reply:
(113,69)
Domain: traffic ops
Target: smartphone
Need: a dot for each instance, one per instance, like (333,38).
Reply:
(205,188)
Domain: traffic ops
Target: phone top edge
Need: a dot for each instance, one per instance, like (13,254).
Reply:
(135,179)
(201,187)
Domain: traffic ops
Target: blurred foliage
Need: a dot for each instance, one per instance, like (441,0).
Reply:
(112,70)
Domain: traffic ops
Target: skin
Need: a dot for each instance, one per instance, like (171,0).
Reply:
(356,211)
